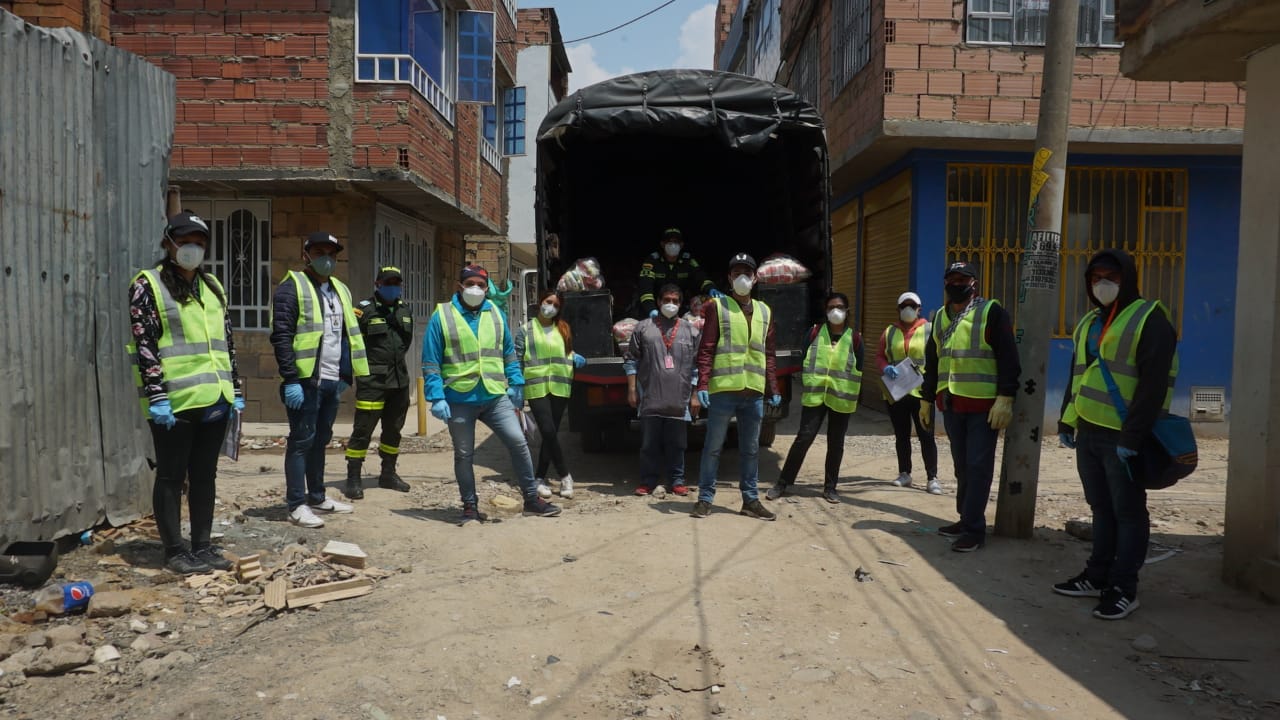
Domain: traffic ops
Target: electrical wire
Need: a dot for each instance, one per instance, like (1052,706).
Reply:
(633,20)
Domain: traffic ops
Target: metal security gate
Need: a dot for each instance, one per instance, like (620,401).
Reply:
(844,251)
(409,244)
(886,270)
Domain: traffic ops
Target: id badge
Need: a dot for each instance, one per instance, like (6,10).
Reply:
(669,363)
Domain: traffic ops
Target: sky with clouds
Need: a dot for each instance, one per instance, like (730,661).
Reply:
(679,35)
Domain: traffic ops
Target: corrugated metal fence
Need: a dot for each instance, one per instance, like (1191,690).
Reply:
(85,135)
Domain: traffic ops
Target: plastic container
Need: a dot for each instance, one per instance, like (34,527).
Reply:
(791,316)
(61,599)
(590,317)
(28,564)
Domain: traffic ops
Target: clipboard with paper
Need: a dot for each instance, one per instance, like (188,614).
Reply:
(909,378)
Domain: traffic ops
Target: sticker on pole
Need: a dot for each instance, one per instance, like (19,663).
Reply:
(1040,260)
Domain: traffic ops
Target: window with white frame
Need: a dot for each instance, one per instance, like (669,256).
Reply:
(1025,22)
(407,41)
(850,41)
(489,121)
(240,257)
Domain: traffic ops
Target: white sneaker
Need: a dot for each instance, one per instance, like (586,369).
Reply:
(333,506)
(303,517)
(904,480)
(659,492)
(544,490)
(935,487)
(566,486)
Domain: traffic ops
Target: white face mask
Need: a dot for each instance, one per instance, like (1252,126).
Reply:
(549,310)
(743,283)
(1106,291)
(671,249)
(836,316)
(473,296)
(909,314)
(189,256)
(670,309)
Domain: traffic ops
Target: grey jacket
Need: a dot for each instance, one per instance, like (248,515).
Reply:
(663,392)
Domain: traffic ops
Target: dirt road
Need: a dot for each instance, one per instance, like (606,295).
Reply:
(627,607)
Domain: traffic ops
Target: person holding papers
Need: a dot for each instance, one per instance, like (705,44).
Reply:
(902,347)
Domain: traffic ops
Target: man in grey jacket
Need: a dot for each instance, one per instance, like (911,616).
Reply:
(660,365)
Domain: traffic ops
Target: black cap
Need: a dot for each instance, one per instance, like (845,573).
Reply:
(471,271)
(320,238)
(963,268)
(743,259)
(186,223)
(672,233)
(389,273)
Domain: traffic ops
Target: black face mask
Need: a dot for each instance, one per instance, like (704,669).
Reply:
(959,293)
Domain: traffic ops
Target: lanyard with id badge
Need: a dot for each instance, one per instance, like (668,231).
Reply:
(668,339)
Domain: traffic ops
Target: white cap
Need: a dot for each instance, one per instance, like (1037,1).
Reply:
(909,296)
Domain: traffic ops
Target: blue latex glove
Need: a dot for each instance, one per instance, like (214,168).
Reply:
(1067,439)
(775,401)
(162,414)
(440,409)
(653,313)
(1125,453)
(714,294)
(704,398)
(891,372)
(238,404)
(516,393)
(578,360)
(342,386)
(293,396)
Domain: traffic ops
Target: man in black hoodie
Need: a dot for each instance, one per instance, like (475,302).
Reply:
(1125,364)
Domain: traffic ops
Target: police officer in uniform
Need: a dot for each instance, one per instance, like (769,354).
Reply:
(671,265)
(387,327)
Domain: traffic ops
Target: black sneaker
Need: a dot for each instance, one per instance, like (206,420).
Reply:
(967,543)
(1116,604)
(540,508)
(392,481)
(186,563)
(1078,586)
(471,513)
(954,530)
(212,556)
(756,510)
(829,494)
(701,509)
(776,492)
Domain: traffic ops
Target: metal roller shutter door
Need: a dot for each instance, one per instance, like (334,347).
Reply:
(886,271)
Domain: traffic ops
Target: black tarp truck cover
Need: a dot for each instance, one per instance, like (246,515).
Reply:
(738,164)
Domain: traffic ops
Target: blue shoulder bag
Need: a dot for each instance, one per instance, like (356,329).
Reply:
(1168,454)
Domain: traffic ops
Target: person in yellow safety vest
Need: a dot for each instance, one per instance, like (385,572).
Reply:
(386,324)
(545,348)
(737,369)
(832,379)
(319,352)
(971,372)
(185,367)
(1138,345)
(472,372)
(905,339)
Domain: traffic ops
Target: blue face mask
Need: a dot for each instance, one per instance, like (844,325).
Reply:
(390,293)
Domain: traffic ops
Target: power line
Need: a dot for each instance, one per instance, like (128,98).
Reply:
(604,32)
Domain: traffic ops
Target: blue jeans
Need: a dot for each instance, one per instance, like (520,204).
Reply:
(1121,523)
(310,430)
(500,415)
(662,449)
(750,413)
(973,450)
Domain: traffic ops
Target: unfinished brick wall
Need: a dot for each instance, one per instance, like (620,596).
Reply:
(931,74)
(725,10)
(88,16)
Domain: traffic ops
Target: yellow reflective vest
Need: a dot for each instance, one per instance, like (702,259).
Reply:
(966,361)
(310,326)
(469,358)
(1090,399)
(896,349)
(739,362)
(548,369)
(831,376)
(192,345)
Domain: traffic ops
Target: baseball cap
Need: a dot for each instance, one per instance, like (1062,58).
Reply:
(186,223)
(904,297)
(471,271)
(320,238)
(389,273)
(672,233)
(743,259)
(963,268)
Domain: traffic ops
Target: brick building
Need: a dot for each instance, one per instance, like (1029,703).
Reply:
(931,108)
(350,116)
(88,16)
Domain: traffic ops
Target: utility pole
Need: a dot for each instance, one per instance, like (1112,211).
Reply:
(1037,309)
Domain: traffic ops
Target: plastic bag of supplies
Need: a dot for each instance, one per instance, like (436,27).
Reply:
(782,269)
(584,275)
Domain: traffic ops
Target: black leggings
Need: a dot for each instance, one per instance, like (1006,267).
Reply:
(187,451)
(548,411)
(903,414)
(810,421)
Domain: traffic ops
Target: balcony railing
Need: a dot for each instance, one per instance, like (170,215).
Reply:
(403,69)
(491,155)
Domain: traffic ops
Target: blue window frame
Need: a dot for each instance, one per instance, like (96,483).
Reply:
(426,38)
(475,57)
(491,125)
(513,130)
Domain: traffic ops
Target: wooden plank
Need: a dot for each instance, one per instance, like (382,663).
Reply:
(345,553)
(341,590)
(276,592)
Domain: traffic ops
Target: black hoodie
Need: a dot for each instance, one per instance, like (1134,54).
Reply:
(1156,347)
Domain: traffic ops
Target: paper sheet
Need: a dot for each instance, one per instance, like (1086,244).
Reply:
(909,378)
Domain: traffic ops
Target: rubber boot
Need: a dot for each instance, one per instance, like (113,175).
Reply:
(389,479)
(353,489)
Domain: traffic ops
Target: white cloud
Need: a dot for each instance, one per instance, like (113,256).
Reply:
(586,69)
(698,39)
